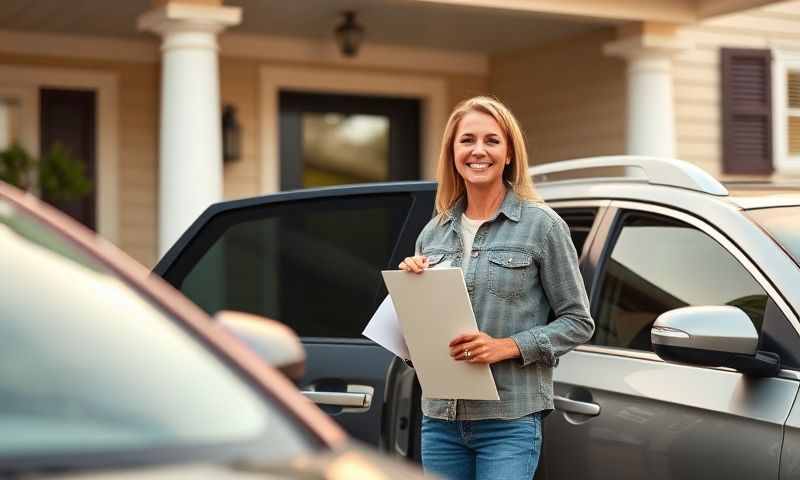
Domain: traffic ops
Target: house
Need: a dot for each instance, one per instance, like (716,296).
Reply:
(137,89)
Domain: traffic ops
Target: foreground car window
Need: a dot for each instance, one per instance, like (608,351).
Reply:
(783,224)
(658,264)
(89,365)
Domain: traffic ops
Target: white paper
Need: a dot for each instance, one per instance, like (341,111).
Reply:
(384,329)
(433,308)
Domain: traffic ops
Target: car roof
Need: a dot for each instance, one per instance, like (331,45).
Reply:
(668,180)
(752,195)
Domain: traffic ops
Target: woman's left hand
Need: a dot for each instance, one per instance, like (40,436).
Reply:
(482,348)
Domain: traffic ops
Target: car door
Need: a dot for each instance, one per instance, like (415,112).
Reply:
(312,260)
(402,423)
(623,413)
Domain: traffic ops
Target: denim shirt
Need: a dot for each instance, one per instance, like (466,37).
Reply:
(524,283)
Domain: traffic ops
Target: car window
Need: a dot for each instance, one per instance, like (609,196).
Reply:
(657,264)
(311,264)
(580,221)
(87,364)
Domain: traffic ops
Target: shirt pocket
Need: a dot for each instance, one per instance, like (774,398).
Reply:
(435,259)
(508,273)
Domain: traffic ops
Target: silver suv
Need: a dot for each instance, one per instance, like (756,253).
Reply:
(716,270)
(662,244)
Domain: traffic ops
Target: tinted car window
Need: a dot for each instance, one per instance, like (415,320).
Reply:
(580,221)
(659,264)
(312,264)
(87,364)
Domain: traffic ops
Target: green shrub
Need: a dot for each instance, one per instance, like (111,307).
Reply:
(59,175)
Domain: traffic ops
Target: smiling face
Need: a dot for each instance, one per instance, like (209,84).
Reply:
(480,150)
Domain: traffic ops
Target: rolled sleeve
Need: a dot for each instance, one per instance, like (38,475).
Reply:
(534,347)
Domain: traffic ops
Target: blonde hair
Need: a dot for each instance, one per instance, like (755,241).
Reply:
(515,174)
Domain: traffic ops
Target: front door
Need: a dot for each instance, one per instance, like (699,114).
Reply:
(623,413)
(328,139)
(312,260)
(68,119)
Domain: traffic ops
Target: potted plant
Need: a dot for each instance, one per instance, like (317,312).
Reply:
(57,175)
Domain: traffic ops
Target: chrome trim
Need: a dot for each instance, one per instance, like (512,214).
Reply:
(726,244)
(785,373)
(620,352)
(338,399)
(789,374)
(577,203)
(568,405)
(668,332)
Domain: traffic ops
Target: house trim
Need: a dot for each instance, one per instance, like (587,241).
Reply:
(263,47)
(29,112)
(250,46)
(783,60)
(431,91)
(79,46)
(105,85)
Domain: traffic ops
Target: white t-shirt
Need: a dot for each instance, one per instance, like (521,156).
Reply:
(469,228)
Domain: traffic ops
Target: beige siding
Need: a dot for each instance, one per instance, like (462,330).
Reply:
(568,96)
(138,134)
(239,87)
(138,114)
(461,87)
(697,74)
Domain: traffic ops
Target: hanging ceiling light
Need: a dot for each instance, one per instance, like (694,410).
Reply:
(349,35)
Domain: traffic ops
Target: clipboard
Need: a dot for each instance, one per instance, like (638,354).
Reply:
(433,308)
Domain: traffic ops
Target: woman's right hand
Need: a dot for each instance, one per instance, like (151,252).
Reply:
(416,264)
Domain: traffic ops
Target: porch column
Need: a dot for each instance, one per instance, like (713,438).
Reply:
(650,116)
(190,152)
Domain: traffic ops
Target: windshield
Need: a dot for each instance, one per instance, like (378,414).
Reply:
(783,224)
(87,364)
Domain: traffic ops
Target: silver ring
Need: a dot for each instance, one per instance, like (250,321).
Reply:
(467,353)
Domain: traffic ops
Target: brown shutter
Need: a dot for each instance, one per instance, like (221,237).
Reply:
(746,111)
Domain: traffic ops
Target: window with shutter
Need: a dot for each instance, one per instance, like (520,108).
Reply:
(746,111)
(793,115)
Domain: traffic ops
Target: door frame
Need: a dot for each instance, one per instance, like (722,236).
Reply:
(105,85)
(431,92)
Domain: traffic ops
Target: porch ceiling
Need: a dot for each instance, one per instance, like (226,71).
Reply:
(481,26)
(391,22)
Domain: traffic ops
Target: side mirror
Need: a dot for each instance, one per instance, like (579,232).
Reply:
(273,341)
(712,337)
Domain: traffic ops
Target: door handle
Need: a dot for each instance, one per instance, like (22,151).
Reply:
(355,399)
(568,405)
(339,399)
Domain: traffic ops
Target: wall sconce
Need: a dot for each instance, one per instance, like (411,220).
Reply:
(349,35)
(231,134)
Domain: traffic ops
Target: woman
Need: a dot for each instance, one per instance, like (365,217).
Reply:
(521,269)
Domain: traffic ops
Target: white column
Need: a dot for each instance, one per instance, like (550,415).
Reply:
(190,152)
(650,115)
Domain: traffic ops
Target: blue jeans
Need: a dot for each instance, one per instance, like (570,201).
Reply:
(482,449)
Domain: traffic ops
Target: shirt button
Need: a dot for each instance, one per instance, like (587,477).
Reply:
(475,253)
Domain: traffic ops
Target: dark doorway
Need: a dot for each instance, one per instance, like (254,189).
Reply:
(342,139)
(68,118)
